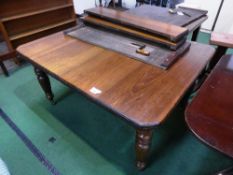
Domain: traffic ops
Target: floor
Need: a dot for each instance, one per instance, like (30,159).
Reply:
(78,137)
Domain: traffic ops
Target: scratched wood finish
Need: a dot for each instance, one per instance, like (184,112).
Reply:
(135,33)
(159,56)
(169,31)
(163,15)
(138,92)
(222,39)
(209,115)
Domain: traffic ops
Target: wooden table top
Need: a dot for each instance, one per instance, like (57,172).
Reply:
(210,115)
(222,39)
(169,31)
(138,92)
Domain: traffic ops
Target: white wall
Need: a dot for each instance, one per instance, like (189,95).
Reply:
(81,5)
(210,5)
(225,20)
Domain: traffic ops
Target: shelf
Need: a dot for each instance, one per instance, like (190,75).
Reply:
(29,33)
(35,12)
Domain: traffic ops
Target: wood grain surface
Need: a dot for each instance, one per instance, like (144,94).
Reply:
(169,31)
(158,56)
(128,31)
(222,39)
(140,93)
(209,115)
(163,15)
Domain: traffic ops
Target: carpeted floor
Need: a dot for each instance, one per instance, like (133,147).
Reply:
(79,137)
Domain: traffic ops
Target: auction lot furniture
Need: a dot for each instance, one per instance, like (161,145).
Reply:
(142,94)
(210,115)
(131,81)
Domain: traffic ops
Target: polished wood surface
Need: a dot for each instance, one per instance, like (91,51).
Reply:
(169,31)
(210,115)
(222,39)
(162,14)
(126,30)
(138,92)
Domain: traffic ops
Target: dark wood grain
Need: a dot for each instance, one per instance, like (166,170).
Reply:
(142,146)
(140,93)
(14,7)
(163,15)
(209,115)
(169,31)
(135,33)
(27,20)
(6,50)
(43,79)
(158,56)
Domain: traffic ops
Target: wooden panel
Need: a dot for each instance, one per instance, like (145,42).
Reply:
(14,7)
(15,27)
(138,92)
(209,115)
(41,32)
(157,55)
(136,33)
(171,32)
(28,14)
(163,15)
(222,39)
(5,37)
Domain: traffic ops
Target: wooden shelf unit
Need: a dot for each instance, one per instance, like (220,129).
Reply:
(31,32)
(26,20)
(10,18)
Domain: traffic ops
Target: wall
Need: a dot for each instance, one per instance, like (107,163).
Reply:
(81,5)
(210,5)
(225,20)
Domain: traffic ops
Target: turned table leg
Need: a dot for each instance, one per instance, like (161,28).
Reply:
(142,146)
(45,84)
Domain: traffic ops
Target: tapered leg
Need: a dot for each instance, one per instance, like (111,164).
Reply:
(142,146)
(195,34)
(4,69)
(45,84)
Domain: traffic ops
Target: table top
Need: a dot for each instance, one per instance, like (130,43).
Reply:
(222,39)
(163,15)
(151,12)
(138,92)
(169,31)
(210,115)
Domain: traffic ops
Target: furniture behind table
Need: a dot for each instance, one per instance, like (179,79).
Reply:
(25,20)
